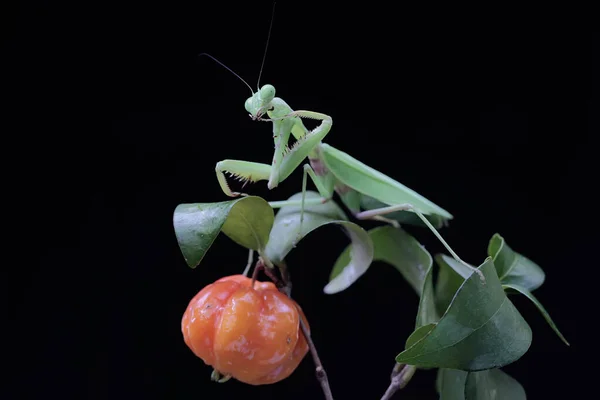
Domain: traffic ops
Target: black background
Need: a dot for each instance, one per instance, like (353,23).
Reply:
(488,112)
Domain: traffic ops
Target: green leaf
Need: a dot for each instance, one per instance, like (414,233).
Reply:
(460,268)
(427,315)
(399,249)
(285,233)
(328,209)
(481,329)
(403,217)
(287,222)
(513,267)
(407,255)
(540,307)
(427,312)
(448,281)
(450,384)
(492,384)
(419,333)
(246,220)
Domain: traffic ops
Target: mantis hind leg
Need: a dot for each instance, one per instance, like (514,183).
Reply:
(378,212)
(245,171)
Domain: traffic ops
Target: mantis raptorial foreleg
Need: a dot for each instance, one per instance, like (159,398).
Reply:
(304,146)
(408,207)
(285,160)
(243,170)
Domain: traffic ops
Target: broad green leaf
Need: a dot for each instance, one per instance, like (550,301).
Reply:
(419,333)
(287,223)
(513,267)
(403,217)
(492,384)
(285,233)
(399,249)
(427,315)
(461,269)
(481,329)
(246,220)
(328,209)
(450,384)
(360,260)
(448,280)
(540,307)
(427,312)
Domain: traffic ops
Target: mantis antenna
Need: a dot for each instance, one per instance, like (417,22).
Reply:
(227,68)
(266,47)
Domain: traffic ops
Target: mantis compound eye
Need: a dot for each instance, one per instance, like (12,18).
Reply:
(267,93)
(248,105)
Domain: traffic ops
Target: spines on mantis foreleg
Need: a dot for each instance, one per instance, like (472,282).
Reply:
(243,171)
(287,149)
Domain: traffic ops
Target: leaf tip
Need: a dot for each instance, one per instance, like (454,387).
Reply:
(335,286)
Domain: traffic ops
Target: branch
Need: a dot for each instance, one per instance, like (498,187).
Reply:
(401,375)
(320,371)
(285,286)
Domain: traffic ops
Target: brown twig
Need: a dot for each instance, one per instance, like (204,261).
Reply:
(319,371)
(285,286)
(401,375)
(259,267)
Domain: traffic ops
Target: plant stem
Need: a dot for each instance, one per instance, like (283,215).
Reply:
(259,267)
(285,286)
(401,375)
(320,371)
(249,264)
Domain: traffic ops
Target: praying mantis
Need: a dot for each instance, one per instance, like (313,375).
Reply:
(366,192)
(331,170)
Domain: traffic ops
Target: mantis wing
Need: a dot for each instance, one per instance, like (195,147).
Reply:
(373,183)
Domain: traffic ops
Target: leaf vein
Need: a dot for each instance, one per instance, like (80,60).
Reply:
(260,244)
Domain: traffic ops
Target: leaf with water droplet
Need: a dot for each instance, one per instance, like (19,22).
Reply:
(481,329)
(246,220)
(286,233)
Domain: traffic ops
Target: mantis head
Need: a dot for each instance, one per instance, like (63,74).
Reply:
(260,102)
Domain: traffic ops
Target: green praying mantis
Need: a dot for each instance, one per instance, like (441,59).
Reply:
(366,192)
(331,170)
